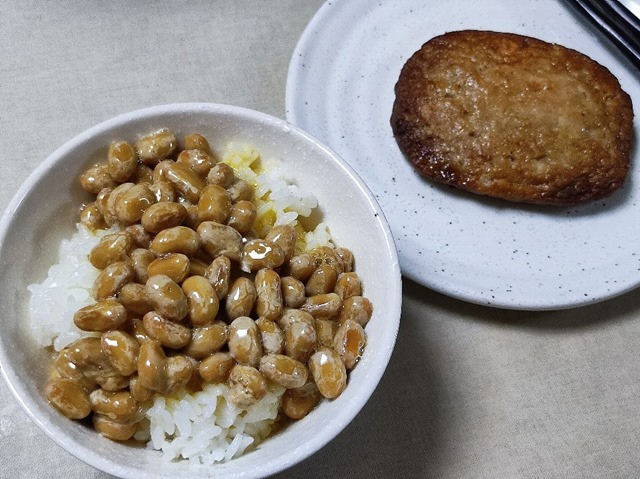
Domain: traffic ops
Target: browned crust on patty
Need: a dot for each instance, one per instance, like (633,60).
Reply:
(513,117)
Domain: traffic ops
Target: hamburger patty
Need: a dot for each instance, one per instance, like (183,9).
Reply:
(513,117)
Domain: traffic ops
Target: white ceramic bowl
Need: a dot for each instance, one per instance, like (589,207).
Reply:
(45,210)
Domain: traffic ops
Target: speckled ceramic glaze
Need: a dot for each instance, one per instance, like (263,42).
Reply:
(341,89)
(45,210)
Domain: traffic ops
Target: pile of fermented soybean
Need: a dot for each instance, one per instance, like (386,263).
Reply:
(197,306)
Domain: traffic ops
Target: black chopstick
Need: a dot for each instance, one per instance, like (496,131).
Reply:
(624,12)
(617,22)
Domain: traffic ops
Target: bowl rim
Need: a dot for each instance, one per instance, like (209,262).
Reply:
(340,421)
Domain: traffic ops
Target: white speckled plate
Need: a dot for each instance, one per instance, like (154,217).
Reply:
(340,88)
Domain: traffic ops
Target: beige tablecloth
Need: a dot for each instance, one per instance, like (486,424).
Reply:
(470,392)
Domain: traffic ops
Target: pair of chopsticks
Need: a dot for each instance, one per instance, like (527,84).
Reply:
(617,22)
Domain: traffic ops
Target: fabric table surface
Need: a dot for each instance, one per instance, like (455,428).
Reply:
(470,392)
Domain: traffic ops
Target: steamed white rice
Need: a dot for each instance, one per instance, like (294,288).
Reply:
(66,289)
(202,427)
(278,199)
(206,428)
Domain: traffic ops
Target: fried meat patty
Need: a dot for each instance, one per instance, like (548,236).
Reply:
(513,117)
